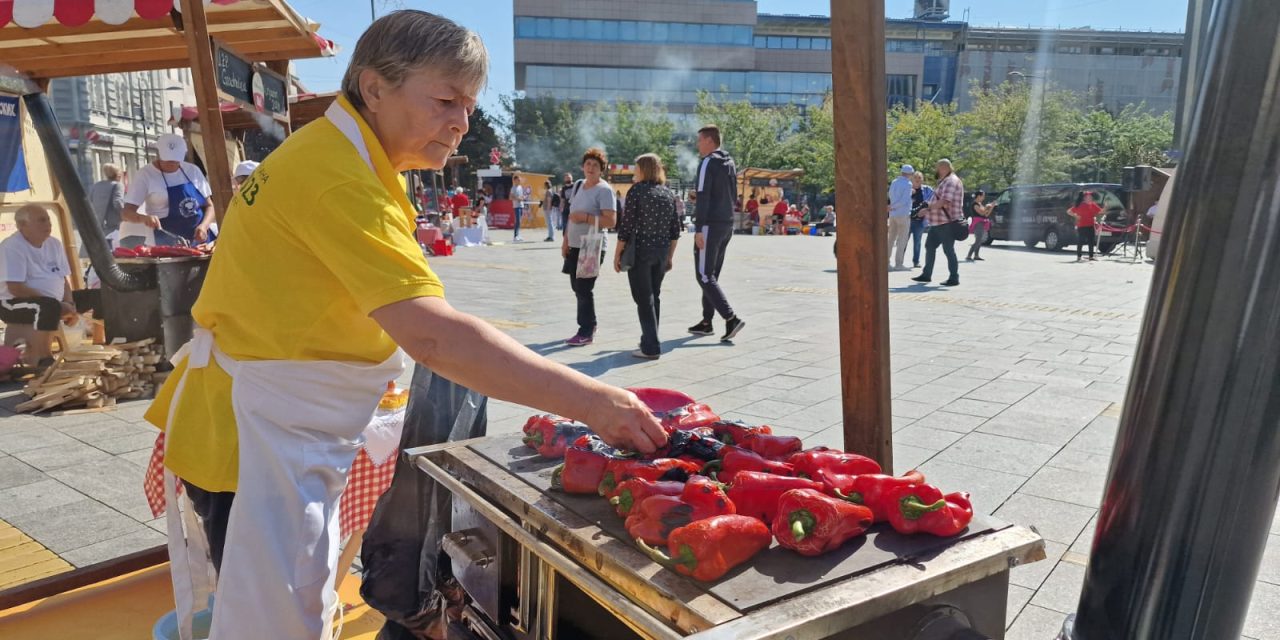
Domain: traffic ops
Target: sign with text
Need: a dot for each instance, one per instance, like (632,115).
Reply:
(253,87)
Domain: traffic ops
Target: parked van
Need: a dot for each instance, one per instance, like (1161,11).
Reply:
(1037,213)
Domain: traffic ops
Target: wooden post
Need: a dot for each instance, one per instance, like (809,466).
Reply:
(196,33)
(862,254)
(282,67)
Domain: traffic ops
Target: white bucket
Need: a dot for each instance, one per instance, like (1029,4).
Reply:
(167,626)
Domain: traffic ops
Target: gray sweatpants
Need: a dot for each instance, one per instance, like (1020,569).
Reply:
(707,264)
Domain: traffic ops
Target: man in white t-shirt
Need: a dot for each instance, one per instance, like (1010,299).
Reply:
(35,283)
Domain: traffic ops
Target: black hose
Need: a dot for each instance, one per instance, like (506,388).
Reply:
(95,243)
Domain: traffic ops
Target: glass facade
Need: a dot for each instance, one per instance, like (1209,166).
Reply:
(901,89)
(720,35)
(793,42)
(595,84)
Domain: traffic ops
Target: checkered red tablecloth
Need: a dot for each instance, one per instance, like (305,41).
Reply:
(365,485)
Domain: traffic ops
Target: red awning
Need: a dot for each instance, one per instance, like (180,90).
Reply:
(74,13)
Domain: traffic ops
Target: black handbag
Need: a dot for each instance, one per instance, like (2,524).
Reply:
(628,258)
(959,230)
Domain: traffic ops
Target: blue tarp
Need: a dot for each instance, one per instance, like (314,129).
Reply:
(13,167)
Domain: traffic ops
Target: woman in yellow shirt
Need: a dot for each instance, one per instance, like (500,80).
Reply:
(316,288)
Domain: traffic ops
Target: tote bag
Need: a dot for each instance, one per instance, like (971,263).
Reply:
(592,248)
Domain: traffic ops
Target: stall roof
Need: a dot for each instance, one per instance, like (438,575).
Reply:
(59,38)
(770,174)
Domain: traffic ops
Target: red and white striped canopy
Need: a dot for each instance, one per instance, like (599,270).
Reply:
(74,13)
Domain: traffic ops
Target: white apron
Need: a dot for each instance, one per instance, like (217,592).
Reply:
(299,425)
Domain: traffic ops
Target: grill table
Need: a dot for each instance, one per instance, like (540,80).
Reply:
(544,564)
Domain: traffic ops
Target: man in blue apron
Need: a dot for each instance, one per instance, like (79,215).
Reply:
(168,201)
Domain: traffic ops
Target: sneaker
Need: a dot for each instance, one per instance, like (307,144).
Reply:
(578,341)
(644,356)
(517,239)
(549,240)
(950,283)
(731,328)
(980,259)
(922,278)
(915,266)
(703,328)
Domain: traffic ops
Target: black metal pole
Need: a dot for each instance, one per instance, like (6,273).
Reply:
(1196,469)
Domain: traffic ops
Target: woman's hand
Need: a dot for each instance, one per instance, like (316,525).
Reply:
(564,248)
(617,261)
(201,234)
(622,420)
(151,221)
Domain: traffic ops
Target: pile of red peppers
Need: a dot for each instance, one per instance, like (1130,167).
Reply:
(720,492)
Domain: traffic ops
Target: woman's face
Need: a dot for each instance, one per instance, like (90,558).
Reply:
(168,166)
(420,122)
(591,169)
(916,181)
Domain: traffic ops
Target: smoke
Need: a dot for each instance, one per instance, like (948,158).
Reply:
(688,161)
(268,125)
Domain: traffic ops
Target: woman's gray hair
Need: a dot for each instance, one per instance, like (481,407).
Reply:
(407,40)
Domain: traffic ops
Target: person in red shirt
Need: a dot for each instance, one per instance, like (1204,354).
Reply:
(753,212)
(779,216)
(1086,213)
(461,207)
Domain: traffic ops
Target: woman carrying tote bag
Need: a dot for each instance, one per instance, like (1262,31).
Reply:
(591,210)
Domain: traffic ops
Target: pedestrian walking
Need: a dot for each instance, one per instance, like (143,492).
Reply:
(550,209)
(946,207)
(921,194)
(648,231)
(520,198)
(979,223)
(566,189)
(592,206)
(1086,213)
(713,221)
(900,216)
(107,198)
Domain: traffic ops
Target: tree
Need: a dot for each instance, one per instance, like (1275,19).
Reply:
(481,137)
(813,148)
(543,134)
(754,136)
(1016,133)
(922,136)
(627,130)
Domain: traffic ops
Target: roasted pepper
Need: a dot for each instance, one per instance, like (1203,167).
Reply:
(736,432)
(707,497)
(690,416)
(620,469)
(735,459)
(583,466)
(812,523)
(756,494)
(869,489)
(691,444)
(809,461)
(921,508)
(771,446)
(707,549)
(550,435)
(657,516)
(632,492)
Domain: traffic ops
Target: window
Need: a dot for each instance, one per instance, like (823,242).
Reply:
(611,30)
(544,27)
(595,29)
(761,42)
(661,32)
(901,89)
(724,34)
(644,31)
(627,31)
(578,29)
(804,43)
(526,27)
(788,42)
(560,28)
(775,42)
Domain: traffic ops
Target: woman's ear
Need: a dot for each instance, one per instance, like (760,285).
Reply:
(371,89)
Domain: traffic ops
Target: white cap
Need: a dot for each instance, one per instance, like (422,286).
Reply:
(171,147)
(908,169)
(244,169)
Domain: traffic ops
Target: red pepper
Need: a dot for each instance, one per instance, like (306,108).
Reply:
(124,252)
(691,444)
(756,494)
(657,516)
(707,549)
(737,432)
(632,492)
(621,469)
(734,460)
(921,508)
(707,497)
(812,523)
(583,466)
(869,489)
(550,435)
(690,416)
(771,446)
(809,461)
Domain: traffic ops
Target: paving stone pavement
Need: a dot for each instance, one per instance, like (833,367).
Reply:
(1008,386)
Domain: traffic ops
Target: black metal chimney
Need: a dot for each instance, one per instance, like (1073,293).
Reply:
(1196,469)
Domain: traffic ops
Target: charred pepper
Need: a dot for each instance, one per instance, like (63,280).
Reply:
(690,416)
(691,444)
(551,435)
(583,466)
(870,489)
(734,460)
(735,432)
(632,492)
(620,469)
(657,516)
(810,461)
(921,508)
(756,494)
(771,446)
(707,549)
(812,523)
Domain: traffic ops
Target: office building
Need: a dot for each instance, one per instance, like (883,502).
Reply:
(588,51)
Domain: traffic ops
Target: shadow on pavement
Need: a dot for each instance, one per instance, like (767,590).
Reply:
(919,287)
(608,361)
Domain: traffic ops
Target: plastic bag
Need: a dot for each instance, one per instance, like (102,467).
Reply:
(403,566)
(592,246)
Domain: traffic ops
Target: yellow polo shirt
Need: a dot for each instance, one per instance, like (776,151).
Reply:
(312,243)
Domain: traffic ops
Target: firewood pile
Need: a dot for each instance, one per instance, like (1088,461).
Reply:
(93,377)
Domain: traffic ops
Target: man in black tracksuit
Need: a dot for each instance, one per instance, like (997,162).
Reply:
(713,225)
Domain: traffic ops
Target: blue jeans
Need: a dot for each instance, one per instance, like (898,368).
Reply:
(917,230)
(519,214)
(552,222)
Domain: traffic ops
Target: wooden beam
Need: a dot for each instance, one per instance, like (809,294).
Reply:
(82,577)
(196,33)
(104,65)
(862,253)
(154,45)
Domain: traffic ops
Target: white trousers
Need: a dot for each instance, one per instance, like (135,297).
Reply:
(899,233)
(300,425)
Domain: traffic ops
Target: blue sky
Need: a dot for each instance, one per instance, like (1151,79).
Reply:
(344,20)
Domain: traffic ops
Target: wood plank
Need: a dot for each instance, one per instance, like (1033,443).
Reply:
(56,30)
(76,578)
(196,33)
(858,91)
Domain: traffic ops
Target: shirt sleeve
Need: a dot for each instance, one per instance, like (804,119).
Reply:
(62,257)
(366,241)
(137,193)
(627,217)
(605,199)
(201,182)
(15,267)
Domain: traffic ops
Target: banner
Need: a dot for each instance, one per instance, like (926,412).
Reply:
(13,166)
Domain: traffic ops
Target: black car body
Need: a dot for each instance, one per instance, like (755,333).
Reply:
(1037,213)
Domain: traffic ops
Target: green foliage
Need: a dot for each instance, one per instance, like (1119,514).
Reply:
(543,134)
(1016,133)
(755,137)
(627,130)
(481,137)
(921,137)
